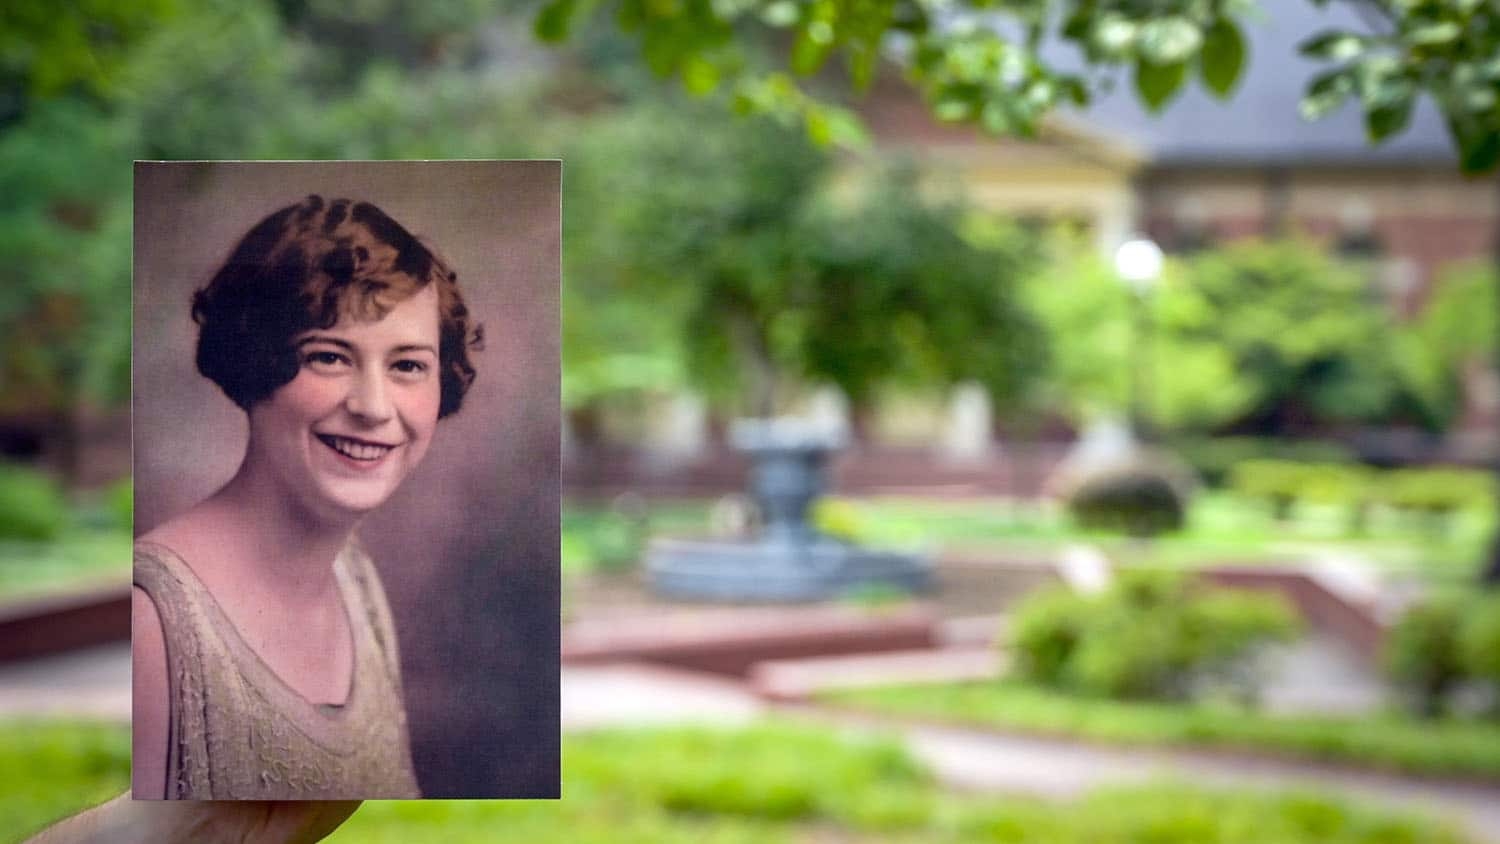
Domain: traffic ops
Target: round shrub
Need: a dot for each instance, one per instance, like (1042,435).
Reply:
(1479,639)
(1044,632)
(1139,498)
(32,505)
(1422,651)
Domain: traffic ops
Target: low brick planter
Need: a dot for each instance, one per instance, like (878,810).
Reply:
(731,641)
(1348,620)
(53,625)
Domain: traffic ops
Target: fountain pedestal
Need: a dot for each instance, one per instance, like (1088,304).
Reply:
(790,560)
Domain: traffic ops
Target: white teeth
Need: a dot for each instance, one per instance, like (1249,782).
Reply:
(357,450)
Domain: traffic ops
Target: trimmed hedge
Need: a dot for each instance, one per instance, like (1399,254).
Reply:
(32,505)
(1151,635)
(1446,643)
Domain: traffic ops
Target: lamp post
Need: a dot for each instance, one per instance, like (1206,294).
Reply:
(1138,262)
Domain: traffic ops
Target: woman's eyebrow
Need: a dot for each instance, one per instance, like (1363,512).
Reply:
(414,347)
(320,338)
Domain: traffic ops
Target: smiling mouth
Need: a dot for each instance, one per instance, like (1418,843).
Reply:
(355,449)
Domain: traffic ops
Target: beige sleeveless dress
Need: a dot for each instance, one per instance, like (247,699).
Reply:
(237,732)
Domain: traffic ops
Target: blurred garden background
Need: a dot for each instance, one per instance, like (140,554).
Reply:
(1211,535)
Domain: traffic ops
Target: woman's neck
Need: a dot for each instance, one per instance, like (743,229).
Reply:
(274,538)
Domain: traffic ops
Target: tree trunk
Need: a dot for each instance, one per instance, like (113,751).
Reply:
(755,361)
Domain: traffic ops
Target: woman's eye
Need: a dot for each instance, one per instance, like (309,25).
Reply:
(324,360)
(409,367)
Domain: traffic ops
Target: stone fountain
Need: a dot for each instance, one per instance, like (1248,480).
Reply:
(790,560)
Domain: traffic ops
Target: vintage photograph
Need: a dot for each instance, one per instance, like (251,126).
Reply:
(346,452)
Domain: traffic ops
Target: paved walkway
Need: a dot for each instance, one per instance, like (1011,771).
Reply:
(87,683)
(95,683)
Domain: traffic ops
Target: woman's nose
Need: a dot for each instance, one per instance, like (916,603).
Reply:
(367,398)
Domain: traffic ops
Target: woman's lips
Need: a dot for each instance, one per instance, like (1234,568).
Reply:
(360,451)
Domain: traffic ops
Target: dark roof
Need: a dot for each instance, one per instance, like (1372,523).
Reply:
(1260,123)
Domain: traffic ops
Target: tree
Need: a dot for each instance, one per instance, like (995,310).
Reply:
(989,61)
(1455,333)
(1298,327)
(1271,337)
(726,232)
(1087,313)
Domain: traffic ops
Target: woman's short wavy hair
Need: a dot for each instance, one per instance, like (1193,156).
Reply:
(303,268)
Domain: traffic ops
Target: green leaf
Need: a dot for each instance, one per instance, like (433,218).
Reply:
(1156,84)
(811,48)
(1114,35)
(845,129)
(554,20)
(1075,90)
(1389,118)
(909,17)
(1169,41)
(1436,33)
(1334,46)
(1480,98)
(1223,57)
(862,64)
(952,109)
(1478,151)
(995,118)
(818,130)
(1325,93)
(700,76)
(782,13)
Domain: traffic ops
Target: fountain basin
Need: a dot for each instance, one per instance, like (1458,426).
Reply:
(780,571)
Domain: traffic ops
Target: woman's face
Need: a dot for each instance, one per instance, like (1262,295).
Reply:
(359,415)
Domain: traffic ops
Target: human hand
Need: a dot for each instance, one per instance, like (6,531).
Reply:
(130,821)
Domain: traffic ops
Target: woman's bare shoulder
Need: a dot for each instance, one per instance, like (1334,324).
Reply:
(175,532)
(196,536)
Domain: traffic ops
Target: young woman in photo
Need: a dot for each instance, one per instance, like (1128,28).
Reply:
(265,659)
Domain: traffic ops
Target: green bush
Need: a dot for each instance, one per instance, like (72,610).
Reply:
(838,518)
(1044,632)
(121,502)
(1214,458)
(1278,482)
(1137,499)
(1152,635)
(32,505)
(1437,493)
(603,540)
(1421,651)
(1479,640)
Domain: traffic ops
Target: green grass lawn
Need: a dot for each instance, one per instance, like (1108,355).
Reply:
(80,558)
(1391,742)
(1221,528)
(52,769)
(772,783)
